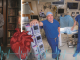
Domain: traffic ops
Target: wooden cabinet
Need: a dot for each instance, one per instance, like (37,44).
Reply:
(13,17)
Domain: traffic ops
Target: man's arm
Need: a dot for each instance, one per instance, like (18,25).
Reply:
(59,31)
(73,25)
(36,22)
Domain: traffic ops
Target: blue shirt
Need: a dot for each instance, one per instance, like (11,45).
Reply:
(51,29)
(78,19)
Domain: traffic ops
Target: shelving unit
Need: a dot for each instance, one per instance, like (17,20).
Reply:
(13,15)
(1,6)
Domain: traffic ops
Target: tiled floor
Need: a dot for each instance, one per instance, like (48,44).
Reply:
(66,52)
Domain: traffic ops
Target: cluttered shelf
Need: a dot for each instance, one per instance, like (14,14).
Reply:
(18,15)
(14,16)
(8,45)
(11,15)
(10,37)
(1,6)
(11,29)
(13,23)
(14,8)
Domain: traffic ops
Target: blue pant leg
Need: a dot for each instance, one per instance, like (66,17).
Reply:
(57,46)
(54,46)
(78,44)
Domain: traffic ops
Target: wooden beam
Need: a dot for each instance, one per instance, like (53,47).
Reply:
(5,20)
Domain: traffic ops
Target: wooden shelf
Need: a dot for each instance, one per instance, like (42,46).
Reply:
(19,15)
(11,15)
(1,6)
(11,29)
(1,45)
(9,37)
(13,23)
(14,16)
(8,45)
(13,8)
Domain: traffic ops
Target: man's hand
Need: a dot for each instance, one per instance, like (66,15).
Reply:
(34,22)
(59,31)
(73,25)
(72,29)
(58,34)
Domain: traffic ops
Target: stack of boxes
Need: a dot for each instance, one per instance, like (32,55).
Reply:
(37,46)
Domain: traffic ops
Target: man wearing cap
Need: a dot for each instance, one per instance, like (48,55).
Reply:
(52,32)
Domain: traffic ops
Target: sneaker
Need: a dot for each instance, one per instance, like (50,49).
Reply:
(75,54)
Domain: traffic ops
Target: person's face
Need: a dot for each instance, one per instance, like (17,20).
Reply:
(50,17)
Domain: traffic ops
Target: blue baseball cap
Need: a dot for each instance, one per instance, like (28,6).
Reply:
(49,13)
